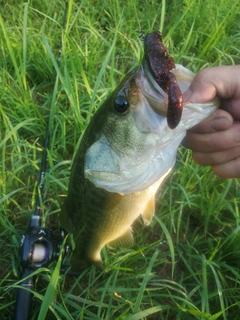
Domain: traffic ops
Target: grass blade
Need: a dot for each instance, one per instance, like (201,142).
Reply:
(169,240)
(144,283)
(101,72)
(147,312)
(51,289)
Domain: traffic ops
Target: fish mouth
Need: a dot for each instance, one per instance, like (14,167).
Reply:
(156,97)
(161,64)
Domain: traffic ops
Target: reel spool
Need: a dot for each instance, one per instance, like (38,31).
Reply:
(39,253)
(39,247)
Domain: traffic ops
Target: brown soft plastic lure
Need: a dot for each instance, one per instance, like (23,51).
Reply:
(160,64)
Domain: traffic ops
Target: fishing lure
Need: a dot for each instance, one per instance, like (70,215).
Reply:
(160,64)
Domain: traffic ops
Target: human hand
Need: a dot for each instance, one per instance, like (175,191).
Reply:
(215,141)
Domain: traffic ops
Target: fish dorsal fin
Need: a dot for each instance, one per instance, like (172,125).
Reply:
(122,242)
(149,211)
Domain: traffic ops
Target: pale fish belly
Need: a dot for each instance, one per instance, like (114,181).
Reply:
(121,211)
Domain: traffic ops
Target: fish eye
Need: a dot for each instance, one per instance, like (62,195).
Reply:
(121,104)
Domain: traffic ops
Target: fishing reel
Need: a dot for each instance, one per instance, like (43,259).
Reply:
(39,247)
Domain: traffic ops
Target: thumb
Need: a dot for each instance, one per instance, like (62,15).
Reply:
(202,89)
(206,85)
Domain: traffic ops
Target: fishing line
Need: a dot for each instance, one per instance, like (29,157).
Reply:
(38,246)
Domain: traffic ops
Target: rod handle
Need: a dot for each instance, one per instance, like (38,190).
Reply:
(24,297)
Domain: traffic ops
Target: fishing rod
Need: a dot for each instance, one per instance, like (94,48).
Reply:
(38,246)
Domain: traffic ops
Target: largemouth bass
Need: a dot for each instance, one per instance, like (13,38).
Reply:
(126,152)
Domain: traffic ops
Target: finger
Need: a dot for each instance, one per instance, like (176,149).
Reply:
(228,170)
(232,106)
(218,120)
(208,83)
(216,158)
(213,142)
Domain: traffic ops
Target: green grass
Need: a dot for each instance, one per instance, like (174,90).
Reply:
(186,264)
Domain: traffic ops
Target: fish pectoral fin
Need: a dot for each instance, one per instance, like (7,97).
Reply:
(149,211)
(123,242)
